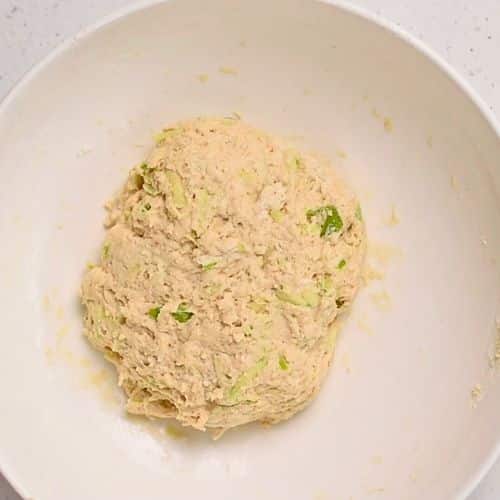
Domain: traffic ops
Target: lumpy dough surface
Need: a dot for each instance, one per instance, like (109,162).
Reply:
(228,259)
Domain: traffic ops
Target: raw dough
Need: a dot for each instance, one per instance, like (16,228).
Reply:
(228,258)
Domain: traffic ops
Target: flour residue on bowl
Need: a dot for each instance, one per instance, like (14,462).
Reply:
(59,352)
(393,218)
(494,358)
(476,394)
(381,299)
(228,70)
(386,121)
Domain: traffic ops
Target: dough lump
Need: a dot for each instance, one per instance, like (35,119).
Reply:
(228,258)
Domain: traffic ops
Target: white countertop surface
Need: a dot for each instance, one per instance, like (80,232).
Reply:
(465,33)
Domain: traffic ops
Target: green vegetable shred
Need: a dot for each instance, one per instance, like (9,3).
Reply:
(208,266)
(358,213)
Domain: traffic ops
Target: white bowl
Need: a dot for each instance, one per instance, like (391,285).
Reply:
(411,407)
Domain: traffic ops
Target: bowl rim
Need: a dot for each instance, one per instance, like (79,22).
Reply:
(347,7)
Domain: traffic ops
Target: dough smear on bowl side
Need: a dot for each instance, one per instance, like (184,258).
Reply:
(227,261)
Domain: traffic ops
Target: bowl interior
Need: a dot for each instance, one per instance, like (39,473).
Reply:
(411,406)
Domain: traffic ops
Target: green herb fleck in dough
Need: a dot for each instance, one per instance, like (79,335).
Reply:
(182,315)
(105,251)
(330,219)
(341,264)
(283,362)
(154,312)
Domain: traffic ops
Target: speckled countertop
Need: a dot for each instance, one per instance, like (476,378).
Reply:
(465,33)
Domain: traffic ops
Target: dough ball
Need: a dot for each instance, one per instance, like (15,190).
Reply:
(228,258)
